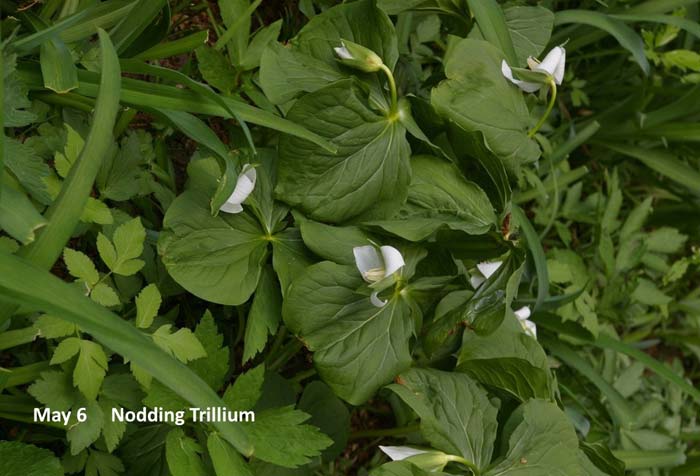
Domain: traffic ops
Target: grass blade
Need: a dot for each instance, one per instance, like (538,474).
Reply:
(492,23)
(26,44)
(688,25)
(626,36)
(606,342)
(636,460)
(180,46)
(535,246)
(662,162)
(135,22)
(18,217)
(37,289)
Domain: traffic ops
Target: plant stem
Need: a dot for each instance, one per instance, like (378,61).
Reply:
(550,106)
(465,462)
(392,87)
(405,430)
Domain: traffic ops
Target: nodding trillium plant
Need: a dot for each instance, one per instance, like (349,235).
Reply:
(375,267)
(550,72)
(244,187)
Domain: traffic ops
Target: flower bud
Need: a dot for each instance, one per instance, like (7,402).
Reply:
(358,57)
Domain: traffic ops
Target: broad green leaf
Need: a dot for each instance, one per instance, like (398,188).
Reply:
(289,256)
(226,460)
(308,63)
(147,304)
(541,440)
(21,459)
(214,367)
(369,175)
(217,258)
(626,36)
(54,389)
(128,240)
(18,216)
(263,37)
(477,97)
(357,347)
(181,343)
(122,174)
(507,359)
(182,454)
(57,67)
(65,350)
(329,414)
(492,23)
(51,327)
(456,414)
(264,316)
(440,196)
(530,29)
(39,290)
(281,437)
(402,468)
(334,243)
(216,69)
(81,266)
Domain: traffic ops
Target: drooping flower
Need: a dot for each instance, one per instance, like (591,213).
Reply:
(244,187)
(358,57)
(552,65)
(374,267)
(484,270)
(428,460)
(523,315)
(398,453)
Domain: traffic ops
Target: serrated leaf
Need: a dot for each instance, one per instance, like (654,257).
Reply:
(128,239)
(182,454)
(80,435)
(129,267)
(65,350)
(106,250)
(90,369)
(226,460)
(21,459)
(280,437)
(113,429)
(264,316)
(104,294)
(182,343)
(54,390)
(96,211)
(147,304)
(100,463)
(246,390)
(214,367)
(81,266)
(51,327)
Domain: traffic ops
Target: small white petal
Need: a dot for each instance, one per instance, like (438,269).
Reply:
(244,187)
(551,62)
(393,260)
(398,453)
(524,85)
(367,259)
(342,52)
(376,301)
(523,313)
(488,268)
(530,328)
(476,280)
(559,71)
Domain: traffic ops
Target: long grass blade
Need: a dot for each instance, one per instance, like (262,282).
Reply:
(492,23)
(135,22)
(537,252)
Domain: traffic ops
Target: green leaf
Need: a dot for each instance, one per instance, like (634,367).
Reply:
(226,460)
(541,440)
(29,168)
(289,256)
(537,252)
(626,36)
(65,350)
(357,347)
(80,435)
(440,196)
(492,23)
(15,101)
(246,390)
(402,468)
(182,343)
(113,429)
(647,293)
(214,367)
(21,459)
(329,414)
(182,454)
(205,254)
(334,243)
(100,463)
(507,359)
(281,438)
(104,294)
(147,304)
(308,63)
(54,389)
(107,251)
(81,266)
(477,97)
(264,316)
(57,67)
(264,36)
(51,327)
(370,174)
(18,216)
(90,369)
(456,414)
(530,29)
(128,240)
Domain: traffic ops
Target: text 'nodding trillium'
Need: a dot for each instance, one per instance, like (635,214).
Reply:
(375,267)
(552,66)
(244,187)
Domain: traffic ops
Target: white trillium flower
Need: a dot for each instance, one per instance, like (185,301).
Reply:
(342,52)
(374,267)
(398,453)
(484,271)
(244,187)
(552,65)
(523,315)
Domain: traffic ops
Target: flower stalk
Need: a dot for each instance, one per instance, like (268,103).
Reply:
(550,106)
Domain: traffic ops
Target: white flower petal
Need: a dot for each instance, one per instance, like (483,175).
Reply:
(367,259)
(475,280)
(523,313)
(376,301)
(398,453)
(553,62)
(559,71)
(530,328)
(244,187)
(393,260)
(524,85)
(487,268)
(342,52)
